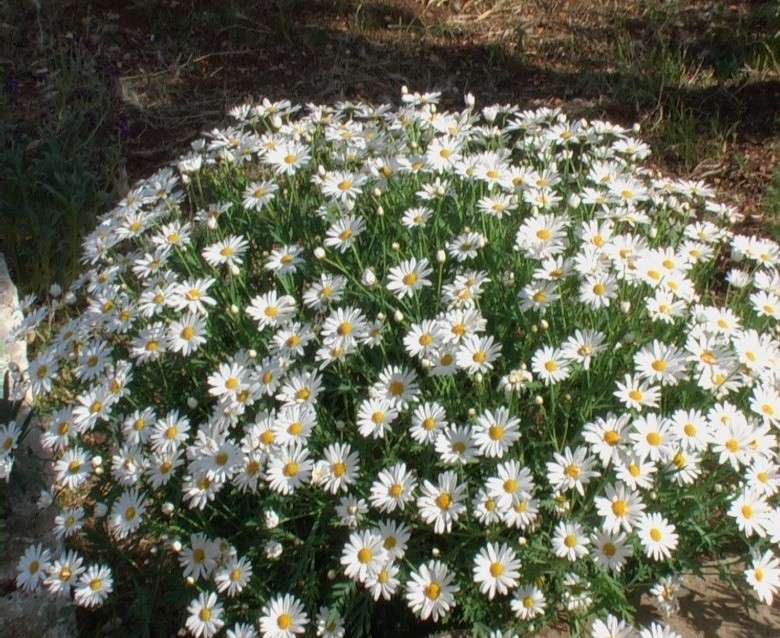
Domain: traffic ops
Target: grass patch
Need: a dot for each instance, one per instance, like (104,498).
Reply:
(59,158)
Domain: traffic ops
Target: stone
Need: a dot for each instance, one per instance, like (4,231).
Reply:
(26,615)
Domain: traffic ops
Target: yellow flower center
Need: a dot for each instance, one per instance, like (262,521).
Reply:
(433,591)
(364,555)
(290,469)
(496,569)
(444,500)
(655,534)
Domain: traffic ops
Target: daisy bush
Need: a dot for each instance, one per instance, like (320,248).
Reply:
(357,370)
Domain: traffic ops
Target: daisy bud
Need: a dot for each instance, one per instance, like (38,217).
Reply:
(368,278)
(441,256)
(404,89)
(539,400)
(319,252)
(629,338)
(331,574)
(273,550)
(271,519)
(653,232)
(55,290)
(469,100)
(395,246)
(377,192)
(234,270)
(574,200)
(567,396)
(192,403)
(522,541)
(718,488)
(276,121)
(398,316)
(472,413)
(625,306)
(190,581)
(435,552)
(167,508)
(70,298)
(153,551)
(100,509)
(99,471)
(426,364)
(45,499)
(97,461)
(636,127)
(478,377)
(380,211)
(380,316)
(534,328)
(321,170)
(340,425)
(544,325)
(653,495)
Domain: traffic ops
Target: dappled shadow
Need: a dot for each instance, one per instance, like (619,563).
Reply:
(178,66)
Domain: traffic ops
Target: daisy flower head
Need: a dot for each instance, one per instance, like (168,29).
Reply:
(393,488)
(94,586)
(528,602)
(31,569)
(570,541)
(205,615)
(443,503)
(363,554)
(495,432)
(763,576)
(409,276)
(550,365)
(283,616)
(431,590)
(477,354)
(658,536)
(496,569)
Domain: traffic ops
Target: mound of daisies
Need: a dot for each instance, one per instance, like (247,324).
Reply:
(359,370)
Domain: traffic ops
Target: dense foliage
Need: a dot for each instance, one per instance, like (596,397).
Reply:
(354,370)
